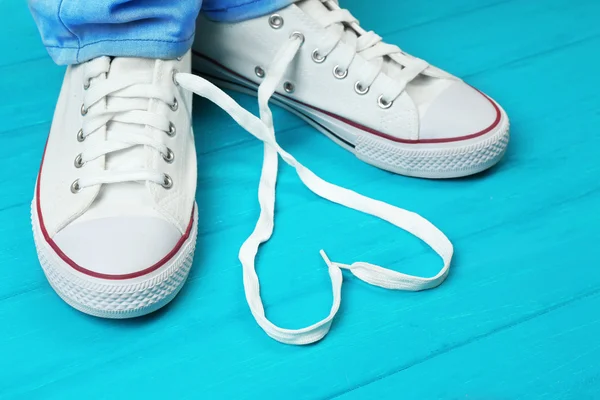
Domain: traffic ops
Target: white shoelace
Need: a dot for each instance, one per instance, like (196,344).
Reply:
(369,46)
(372,274)
(127,112)
(263,130)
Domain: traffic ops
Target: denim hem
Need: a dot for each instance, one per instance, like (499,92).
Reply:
(145,48)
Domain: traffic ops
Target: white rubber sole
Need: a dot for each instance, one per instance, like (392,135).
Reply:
(423,160)
(117,299)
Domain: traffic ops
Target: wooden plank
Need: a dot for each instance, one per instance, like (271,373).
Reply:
(551,355)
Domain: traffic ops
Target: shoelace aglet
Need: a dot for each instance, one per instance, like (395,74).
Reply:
(331,263)
(325,258)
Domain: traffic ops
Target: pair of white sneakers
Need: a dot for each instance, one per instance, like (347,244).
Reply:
(114,217)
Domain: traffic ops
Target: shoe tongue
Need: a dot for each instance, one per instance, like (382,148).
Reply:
(314,8)
(140,69)
(127,198)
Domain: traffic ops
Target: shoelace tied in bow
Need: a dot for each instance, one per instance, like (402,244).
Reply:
(375,275)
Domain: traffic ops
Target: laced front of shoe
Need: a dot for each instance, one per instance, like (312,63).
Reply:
(128,105)
(381,57)
(372,274)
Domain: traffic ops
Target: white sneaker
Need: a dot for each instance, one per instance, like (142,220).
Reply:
(390,109)
(114,217)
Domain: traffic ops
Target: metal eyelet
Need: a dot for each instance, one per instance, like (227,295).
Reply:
(289,87)
(316,57)
(358,88)
(339,74)
(384,103)
(167,182)
(298,35)
(87,84)
(276,21)
(173,73)
(259,72)
(169,157)
(175,104)
(80,137)
(75,188)
(84,110)
(78,161)
(172,129)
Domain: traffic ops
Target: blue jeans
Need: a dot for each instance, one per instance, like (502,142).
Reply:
(75,31)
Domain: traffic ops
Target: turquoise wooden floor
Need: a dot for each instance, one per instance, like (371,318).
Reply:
(517,319)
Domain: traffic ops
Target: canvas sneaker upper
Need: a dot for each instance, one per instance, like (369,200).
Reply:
(350,73)
(116,188)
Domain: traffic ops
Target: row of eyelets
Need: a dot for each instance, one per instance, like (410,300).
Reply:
(358,87)
(169,157)
(75,188)
(80,138)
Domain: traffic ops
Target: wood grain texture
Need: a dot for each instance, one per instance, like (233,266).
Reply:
(517,318)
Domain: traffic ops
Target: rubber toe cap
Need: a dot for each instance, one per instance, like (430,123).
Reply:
(459,112)
(118,247)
